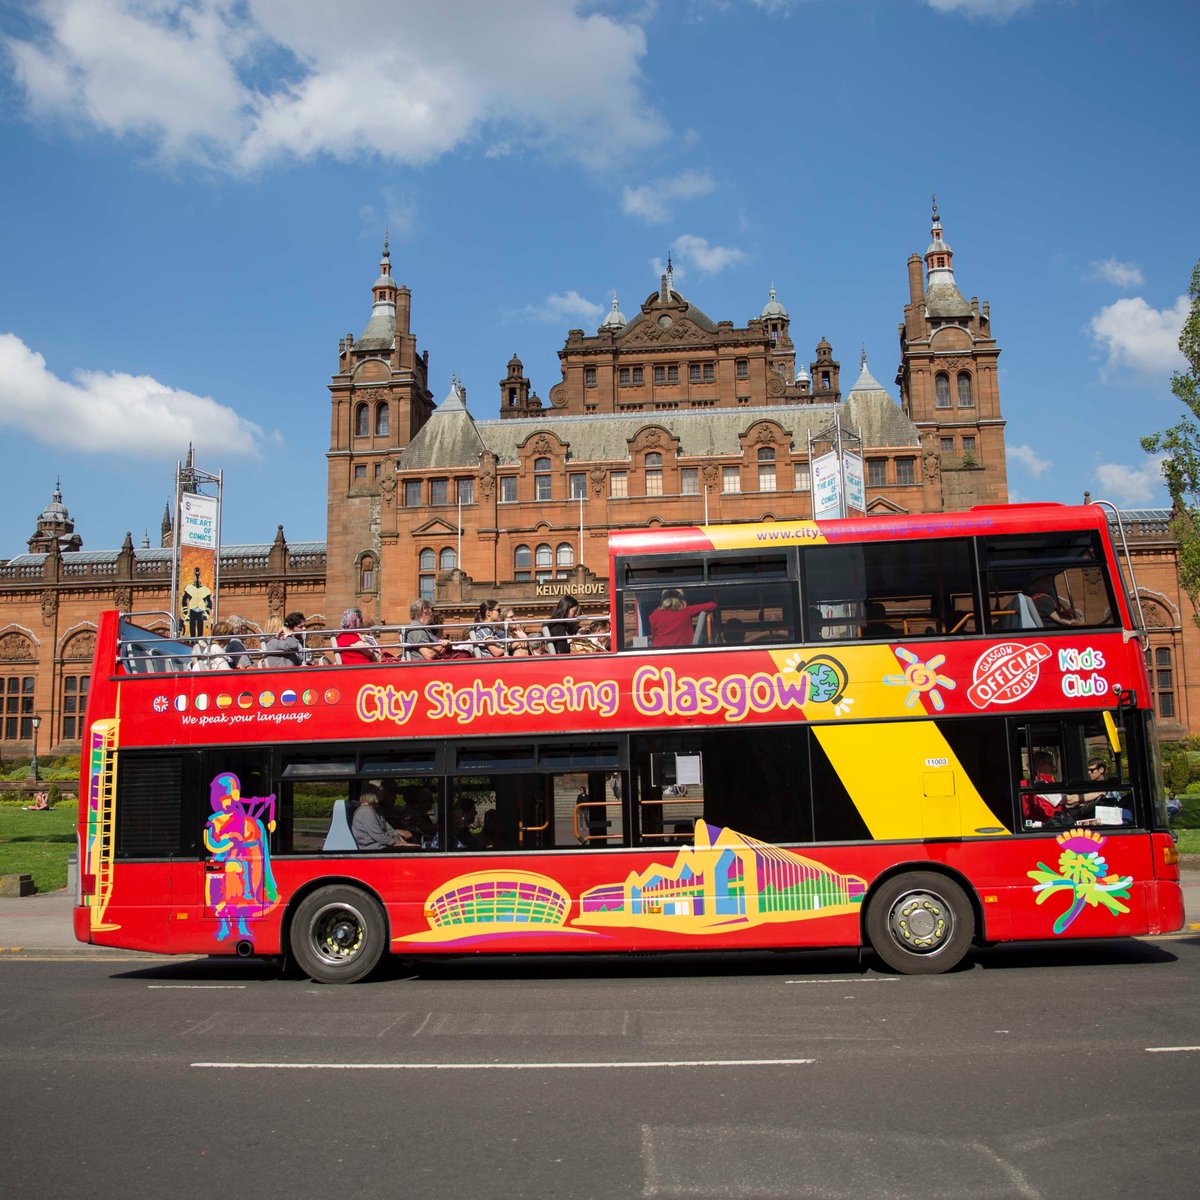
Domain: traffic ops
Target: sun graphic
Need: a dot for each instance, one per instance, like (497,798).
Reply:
(920,678)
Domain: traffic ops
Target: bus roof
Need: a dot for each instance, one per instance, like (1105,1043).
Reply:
(761,535)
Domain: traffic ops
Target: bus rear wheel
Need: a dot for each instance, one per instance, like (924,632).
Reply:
(338,935)
(921,923)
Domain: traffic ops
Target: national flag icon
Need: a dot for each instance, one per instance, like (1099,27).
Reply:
(310,696)
(224,700)
(287,696)
(266,699)
(332,695)
(245,700)
(161,704)
(201,702)
(181,703)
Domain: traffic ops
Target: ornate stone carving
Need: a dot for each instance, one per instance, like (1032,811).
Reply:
(276,597)
(49,607)
(541,445)
(931,457)
(598,475)
(775,385)
(372,394)
(709,473)
(123,599)
(15,648)
(1155,617)
(558,395)
(764,434)
(956,362)
(652,437)
(487,477)
(82,645)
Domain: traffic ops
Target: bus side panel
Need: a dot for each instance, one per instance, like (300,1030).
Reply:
(125,917)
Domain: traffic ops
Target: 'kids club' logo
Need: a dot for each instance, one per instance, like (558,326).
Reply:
(1006,673)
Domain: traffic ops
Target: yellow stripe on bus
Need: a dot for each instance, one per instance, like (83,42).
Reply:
(905,781)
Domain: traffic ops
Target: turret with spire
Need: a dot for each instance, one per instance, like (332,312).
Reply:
(943,300)
(55,529)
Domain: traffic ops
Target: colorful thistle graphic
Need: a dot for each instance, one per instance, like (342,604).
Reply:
(1081,868)
(920,677)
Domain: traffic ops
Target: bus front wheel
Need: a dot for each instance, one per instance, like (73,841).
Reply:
(921,923)
(338,935)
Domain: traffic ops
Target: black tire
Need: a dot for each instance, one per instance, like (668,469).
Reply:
(921,923)
(338,935)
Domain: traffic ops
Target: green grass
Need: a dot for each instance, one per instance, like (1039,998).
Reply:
(37,844)
(1189,840)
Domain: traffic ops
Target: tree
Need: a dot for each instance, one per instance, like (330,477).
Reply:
(1181,445)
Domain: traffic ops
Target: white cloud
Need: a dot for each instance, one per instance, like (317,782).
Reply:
(1132,485)
(1138,336)
(562,306)
(707,259)
(241,83)
(996,10)
(655,202)
(113,413)
(1030,459)
(1111,270)
(397,213)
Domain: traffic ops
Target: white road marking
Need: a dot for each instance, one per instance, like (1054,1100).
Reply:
(865,979)
(1170,1049)
(196,987)
(514,1066)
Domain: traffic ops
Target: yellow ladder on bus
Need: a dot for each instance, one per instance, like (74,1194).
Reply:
(102,804)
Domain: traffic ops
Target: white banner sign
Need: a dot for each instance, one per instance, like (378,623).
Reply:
(856,498)
(826,487)
(198,521)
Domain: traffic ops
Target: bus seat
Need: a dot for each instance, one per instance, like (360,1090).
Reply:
(339,837)
(548,645)
(700,635)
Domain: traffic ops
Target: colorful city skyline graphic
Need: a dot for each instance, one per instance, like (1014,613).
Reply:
(723,881)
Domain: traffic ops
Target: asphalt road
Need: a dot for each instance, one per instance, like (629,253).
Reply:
(1058,1070)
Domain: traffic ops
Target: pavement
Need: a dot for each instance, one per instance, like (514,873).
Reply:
(40,926)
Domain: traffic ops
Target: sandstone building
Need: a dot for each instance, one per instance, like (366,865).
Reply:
(667,417)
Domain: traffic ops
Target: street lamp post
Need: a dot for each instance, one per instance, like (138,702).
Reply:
(37,721)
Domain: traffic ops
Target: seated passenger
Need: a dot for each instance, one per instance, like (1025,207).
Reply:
(486,635)
(592,637)
(417,819)
(1050,607)
(287,647)
(371,831)
(491,836)
(354,646)
(420,642)
(876,625)
(464,837)
(733,631)
(1042,808)
(671,621)
(516,640)
(563,624)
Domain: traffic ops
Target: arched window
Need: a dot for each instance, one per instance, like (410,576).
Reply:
(361,417)
(447,560)
(564,555)
(766,469)
(654,474)
(522,564)
(425,564)
(542,480)
(966,398)
(382,421)
(543,563)
(366,573)
(942,386)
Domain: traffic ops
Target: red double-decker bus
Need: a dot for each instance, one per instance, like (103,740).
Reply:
(913,734)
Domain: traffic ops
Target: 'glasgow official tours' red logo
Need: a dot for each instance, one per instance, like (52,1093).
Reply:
(1006,673)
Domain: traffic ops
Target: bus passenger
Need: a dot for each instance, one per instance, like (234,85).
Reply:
(419,640)
(371,831)
(465,814)
(417,817)
(592,637)
(1050,606)
(563,623)
(286,648)
(671,621)
(235,648)
(352,645)
(486,637)
(1042,807)
(515,638)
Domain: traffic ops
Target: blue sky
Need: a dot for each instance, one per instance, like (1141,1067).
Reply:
(196,195)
